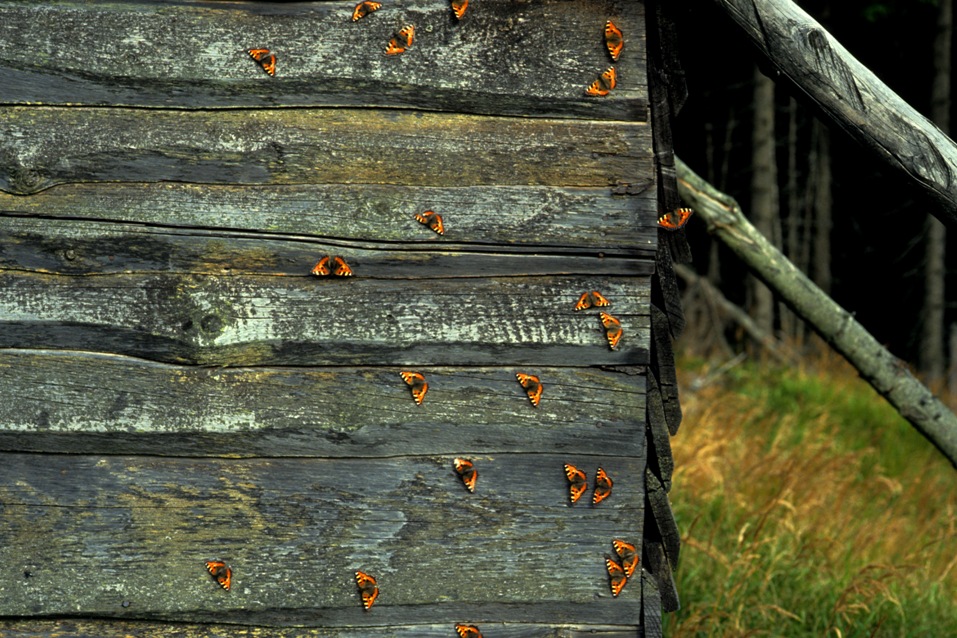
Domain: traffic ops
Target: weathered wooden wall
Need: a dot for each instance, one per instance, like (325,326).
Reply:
(175,386)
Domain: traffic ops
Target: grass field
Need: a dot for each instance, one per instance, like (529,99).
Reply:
(808,507)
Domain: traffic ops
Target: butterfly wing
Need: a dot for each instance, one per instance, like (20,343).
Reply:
(368,589)
(533,387)
(257,54)
(675,219)
(268,64)
(365,8)
(394,48)
(613,329)
(321,269)
(407,34)
(467,471)
(458,8)
(468,631)
(628,554)
(583,302)
(613,40)
(417,384)
(598,300)
(340,268)
(603,485)
(604,84)
(616,576)
(431,219)
(577,483)
(221,572)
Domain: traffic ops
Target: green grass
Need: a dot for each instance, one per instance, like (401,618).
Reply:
(809,507)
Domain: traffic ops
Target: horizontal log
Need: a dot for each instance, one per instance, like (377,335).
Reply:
(87,403)
(501,58)
(497,215)
(305,320)
(83,534)
(41,147)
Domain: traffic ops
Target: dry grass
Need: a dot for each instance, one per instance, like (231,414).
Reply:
(808,507)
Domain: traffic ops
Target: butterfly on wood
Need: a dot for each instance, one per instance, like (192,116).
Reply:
(605,83)
(603,485)
(468,631)
(465,469)
(431,219)
(221,572)
(628,554)
(368,589)
(365,8)
(589,299)
(458,8)
(533,387)
(613,329)
(332,266)
(613,40)
(616,576)
(675,219)
(417,384)
(577,483)
(401,40)
(265,59)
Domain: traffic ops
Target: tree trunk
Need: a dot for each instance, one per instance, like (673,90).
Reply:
(764,190)
(822,204)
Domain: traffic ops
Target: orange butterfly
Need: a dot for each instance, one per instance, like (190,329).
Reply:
(675,219)
(368,589)
(339,267)
(605,83)
(265,59)
(432,220)
(221,572)
(365,8)
(458,8)
(467,471)
(628,554)
(533,387)
(468,631)
(589,299)
(577,483)
(613,329)
(401,41)
(603,485)
(613,40)
(616,575)
(417,384)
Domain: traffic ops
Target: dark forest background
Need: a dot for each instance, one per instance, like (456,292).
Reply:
(857,228)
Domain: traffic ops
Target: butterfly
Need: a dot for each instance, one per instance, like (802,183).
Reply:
(532,385)
(628,555)
(417,384)
(675,219)
(401,40)
(458,8)
(339,267)
(468,631)
(589,299)
(432,220)
(613,329)
(577,483)
(605,83)
(265,59)
(368,589)
(365,8)
(616,575)
(603,485)
(467,471)
(613,40)
(222,573)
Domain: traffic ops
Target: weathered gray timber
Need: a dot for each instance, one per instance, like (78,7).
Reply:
(177,387)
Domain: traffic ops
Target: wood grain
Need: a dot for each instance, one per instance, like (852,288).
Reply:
(502,58)
(88,403)
(84,533)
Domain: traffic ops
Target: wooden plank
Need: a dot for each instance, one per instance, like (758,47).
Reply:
(80,247)
(87,403)
(47,146)
(304,320)
(140,629)
(502,58)
(504,216)
(85,533)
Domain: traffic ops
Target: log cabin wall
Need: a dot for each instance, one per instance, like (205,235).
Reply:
(177,387)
